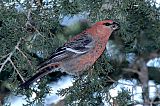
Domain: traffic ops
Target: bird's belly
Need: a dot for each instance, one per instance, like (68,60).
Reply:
(78,65)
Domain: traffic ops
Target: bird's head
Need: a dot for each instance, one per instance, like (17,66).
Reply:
(109,24)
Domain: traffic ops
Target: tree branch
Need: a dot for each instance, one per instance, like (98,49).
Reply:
(29,19)
(9,56)
(24,56)
(17,70)
(2,57)
(143,77)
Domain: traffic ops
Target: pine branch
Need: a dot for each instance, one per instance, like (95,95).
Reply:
(143,76)
(2,57)
(24,56)
(17,70)
(9,56)
(30,10)
(142,70)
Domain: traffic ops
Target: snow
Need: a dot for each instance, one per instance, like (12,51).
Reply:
(18,100)
(64,82)
(68,20)
(158,2)
(154,62)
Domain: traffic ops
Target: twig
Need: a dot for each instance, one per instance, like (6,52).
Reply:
(28,19)
(28,23)
(30,10)
(143,77)
(8,59)
(2,57)
(3,64)
(142,71)
(24,56)
(156,103)
(154,54)
(131,70)
(17,70)
(9,56)
(112,80)
(38,32)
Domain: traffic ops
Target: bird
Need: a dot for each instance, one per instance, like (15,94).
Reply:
(79,53)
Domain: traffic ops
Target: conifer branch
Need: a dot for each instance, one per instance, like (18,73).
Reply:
(30,10)
(131,70)
(17,70)
(9,56)
(143,77)
(2,57)
(24,56)
(28,23)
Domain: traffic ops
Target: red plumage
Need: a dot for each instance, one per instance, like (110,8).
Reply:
(79,53)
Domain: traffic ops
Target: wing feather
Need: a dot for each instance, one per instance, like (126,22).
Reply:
(71,49)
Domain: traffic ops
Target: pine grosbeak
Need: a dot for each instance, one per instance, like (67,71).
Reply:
(79,53)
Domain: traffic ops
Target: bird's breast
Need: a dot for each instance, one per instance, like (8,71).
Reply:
(81,63)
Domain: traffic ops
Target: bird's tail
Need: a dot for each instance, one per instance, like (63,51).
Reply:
(42,71)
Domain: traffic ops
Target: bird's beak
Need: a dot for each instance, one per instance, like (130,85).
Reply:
(115,26)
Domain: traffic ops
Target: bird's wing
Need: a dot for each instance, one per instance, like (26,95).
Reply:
(78,46)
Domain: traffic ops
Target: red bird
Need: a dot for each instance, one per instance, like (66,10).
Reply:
(79,53)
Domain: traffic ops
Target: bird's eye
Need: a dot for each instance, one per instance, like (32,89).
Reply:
(107,24)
